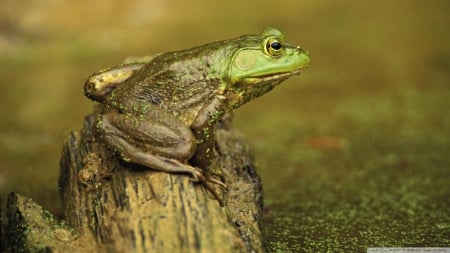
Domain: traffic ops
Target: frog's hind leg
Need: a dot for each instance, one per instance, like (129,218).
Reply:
(157,140)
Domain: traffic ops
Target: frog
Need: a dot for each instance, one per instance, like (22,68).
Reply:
(161,111)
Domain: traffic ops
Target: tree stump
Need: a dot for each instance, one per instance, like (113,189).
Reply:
(113,206)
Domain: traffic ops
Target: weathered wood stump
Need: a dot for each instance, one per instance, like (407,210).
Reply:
(113,206)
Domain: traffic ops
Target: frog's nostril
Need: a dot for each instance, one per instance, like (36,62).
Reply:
(298,50)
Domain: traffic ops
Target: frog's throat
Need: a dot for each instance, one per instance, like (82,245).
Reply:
(252,87)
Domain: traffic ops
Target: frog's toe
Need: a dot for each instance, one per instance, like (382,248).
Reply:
(218,173)
(213,191)
(218,182)
(197,175)
(194,178)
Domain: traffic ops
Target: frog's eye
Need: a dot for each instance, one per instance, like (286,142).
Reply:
(274,47)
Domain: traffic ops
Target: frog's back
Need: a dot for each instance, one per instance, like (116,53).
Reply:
(179,82)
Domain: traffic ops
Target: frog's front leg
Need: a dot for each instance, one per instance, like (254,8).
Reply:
(154,139)
(203,128)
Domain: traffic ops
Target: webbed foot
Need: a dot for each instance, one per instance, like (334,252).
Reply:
(208,181)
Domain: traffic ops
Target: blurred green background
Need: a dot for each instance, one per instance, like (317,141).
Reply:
(353,153)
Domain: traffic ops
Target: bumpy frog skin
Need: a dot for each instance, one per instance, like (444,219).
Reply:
(160,112)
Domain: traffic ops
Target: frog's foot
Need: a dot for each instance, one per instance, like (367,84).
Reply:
(197,176)
(217,173)
(208,183)
(210,179)
(218,182)
(175,166)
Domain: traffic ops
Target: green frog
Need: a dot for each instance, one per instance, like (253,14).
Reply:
(161,111)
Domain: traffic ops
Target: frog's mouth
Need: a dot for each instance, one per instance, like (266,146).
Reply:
(271,77)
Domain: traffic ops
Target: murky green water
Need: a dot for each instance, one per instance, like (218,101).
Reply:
(364,182)
(353,153)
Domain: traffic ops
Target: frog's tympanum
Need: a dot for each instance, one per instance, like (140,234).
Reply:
(160,112)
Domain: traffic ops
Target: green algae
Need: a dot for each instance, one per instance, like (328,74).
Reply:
(387,186)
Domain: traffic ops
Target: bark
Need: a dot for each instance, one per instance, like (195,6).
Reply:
(113,206)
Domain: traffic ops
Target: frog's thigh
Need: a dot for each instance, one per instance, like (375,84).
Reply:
(160,143)
(157,133)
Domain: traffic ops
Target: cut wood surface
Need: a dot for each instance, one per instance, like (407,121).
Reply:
(113,206)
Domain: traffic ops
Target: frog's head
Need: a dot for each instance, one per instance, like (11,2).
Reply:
(262,62)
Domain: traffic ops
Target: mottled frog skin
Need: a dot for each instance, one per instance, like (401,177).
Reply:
(160,112)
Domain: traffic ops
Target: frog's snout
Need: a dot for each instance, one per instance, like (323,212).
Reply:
(300,50)
(303,55)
